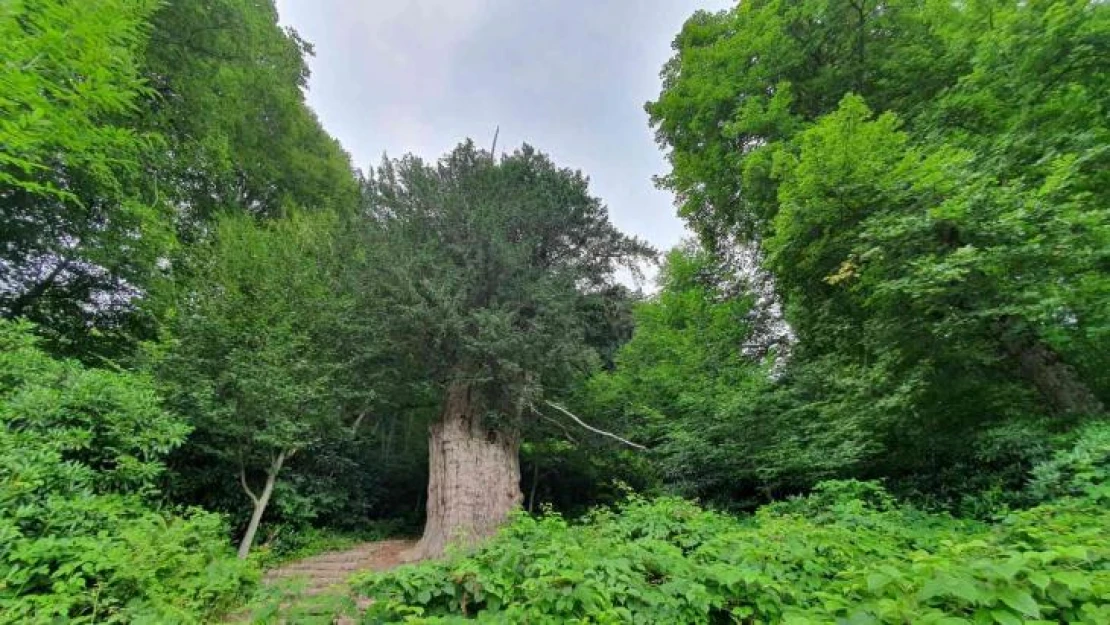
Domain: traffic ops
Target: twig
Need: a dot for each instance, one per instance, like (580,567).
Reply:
(562,427)
(592,428)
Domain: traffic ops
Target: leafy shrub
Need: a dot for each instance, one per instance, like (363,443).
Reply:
(829,558)
(1082,470)
(80,539)
(110,559)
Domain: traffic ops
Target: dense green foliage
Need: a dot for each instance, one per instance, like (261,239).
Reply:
(690,380)
(489,262)
(83,540)
(889,342)
(126,127)
(846,553)
(925,183)
(229,107)
(74,222)
(253,360)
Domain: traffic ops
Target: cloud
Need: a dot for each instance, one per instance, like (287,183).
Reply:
(568,76)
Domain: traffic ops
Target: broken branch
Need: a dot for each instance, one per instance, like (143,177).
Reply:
(592,428)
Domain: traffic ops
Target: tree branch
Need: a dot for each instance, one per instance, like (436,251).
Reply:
(38,290)
(592,428)
(243,483)
(562,427)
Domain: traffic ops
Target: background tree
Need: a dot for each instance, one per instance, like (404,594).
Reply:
(485,262)
(253,361)
(726,424)
(79,241)
(935,229)
(132,125)
(228,100)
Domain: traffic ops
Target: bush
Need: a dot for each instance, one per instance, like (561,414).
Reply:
(825,559)
(111,559)
(1083,470)
(81,540)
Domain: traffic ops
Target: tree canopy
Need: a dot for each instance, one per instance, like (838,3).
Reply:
(928,206)
(488,261)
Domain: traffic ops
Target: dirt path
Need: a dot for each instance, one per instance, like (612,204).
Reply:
(330,570)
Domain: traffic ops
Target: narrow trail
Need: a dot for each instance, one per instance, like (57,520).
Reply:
(331,570)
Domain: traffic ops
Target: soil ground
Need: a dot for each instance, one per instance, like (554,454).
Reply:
(330,571)
(326,575)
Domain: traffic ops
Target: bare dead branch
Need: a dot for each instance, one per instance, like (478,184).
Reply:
(592,428)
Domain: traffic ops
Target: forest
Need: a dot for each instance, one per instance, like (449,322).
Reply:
(871,388)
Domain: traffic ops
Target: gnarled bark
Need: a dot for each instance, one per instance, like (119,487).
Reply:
(473,475)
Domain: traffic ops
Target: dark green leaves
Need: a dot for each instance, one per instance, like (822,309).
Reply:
(483,265)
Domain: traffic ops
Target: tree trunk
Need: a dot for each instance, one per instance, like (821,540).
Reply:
(1057,381)
(473,476)
(535,483)
(260,502)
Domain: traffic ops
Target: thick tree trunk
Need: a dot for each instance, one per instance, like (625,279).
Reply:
(473,476)
(260,502)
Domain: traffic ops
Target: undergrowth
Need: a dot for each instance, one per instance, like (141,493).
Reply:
(847,553)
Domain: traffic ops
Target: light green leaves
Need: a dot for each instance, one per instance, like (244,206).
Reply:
(81,453)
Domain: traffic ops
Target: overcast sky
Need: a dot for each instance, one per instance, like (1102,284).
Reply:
(567,76)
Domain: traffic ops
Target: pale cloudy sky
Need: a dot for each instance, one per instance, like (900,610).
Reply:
(567,76)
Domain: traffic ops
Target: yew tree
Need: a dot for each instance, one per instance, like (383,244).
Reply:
(480,264)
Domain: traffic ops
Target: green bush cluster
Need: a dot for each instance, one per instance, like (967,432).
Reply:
(81,538)
(846,554)
(1083,470)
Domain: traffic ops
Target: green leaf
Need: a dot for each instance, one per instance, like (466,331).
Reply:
(1002,617)
(1020,600)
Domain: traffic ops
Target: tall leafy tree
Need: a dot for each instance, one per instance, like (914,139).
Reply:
(484,262)
(129,127)
(725,422)
(252,361)
(744,79)
(925,181)
(228,102)
(77,238)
